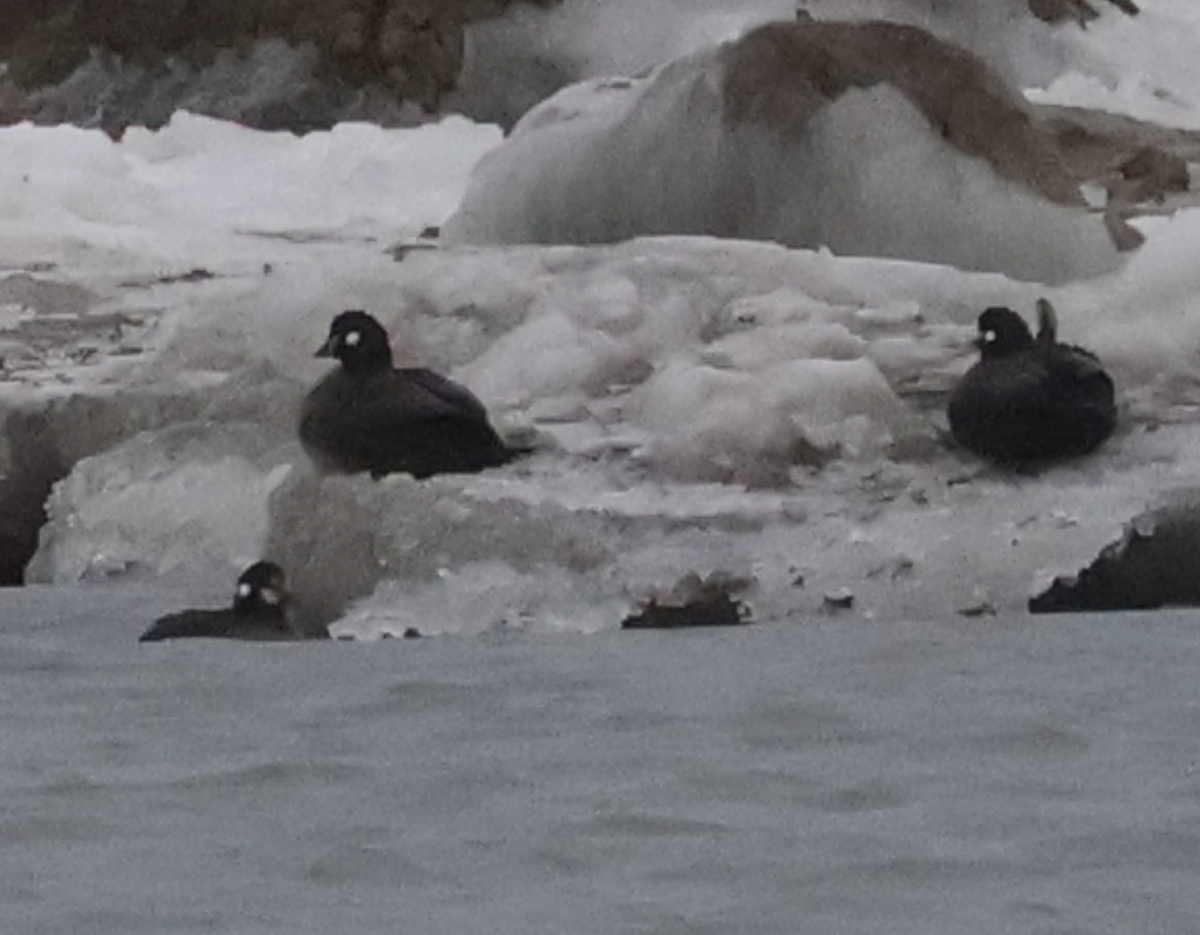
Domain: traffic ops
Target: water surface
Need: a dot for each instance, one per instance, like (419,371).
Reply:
(836,775)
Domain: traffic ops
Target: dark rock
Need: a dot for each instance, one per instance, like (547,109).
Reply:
(717,611)
(1156,563)
(694,602)
(1081,11)
(780,75)
(407,50)
(839,600)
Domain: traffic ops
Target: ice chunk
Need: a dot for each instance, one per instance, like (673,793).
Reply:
(189,500)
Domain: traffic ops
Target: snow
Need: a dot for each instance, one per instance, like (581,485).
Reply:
(701,404)
(611,159)
(1143,66)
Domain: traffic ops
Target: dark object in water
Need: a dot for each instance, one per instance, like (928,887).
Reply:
(694,602)
(368,416)
(260,612)
(718,611)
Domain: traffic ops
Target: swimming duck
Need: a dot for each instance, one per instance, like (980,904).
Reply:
(259,612)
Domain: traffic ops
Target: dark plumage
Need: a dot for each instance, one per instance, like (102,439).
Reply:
(1030,399)
(368,416)
(259,612)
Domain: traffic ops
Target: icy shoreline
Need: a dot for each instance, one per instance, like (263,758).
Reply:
(706,406)
(623,503)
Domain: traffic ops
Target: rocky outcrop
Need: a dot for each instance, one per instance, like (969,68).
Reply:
(407,50)
(276,64)
(779,76)
(1155,564)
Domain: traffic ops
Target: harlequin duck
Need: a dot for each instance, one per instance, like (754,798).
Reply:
(259,612)
(369,416)
(1030,399)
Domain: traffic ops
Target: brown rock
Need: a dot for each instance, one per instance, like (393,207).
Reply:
(780,74)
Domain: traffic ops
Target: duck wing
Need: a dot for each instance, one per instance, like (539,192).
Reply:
(448,393)
(219,624)
(412,421)
(181,624)
(1073,369)
(1084,399)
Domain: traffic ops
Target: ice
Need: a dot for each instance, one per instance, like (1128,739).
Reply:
(651,369)
(199,495)
(600,162)
(204,191)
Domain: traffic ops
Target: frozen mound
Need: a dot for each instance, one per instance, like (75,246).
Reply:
(340,537)
(863,138)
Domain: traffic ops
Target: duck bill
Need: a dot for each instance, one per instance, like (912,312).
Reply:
(326,349)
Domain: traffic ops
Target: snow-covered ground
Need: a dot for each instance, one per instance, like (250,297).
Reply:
(703,405)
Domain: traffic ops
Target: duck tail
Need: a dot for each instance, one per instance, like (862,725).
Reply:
(1047,333)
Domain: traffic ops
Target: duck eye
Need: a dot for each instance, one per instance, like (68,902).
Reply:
(244,590)
(352,338)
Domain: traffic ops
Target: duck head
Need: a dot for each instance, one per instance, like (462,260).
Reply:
(260,587)
(358,341)
(1001,332)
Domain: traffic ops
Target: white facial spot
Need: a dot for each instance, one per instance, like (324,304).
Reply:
(352,338)
(244,590)
(989,337)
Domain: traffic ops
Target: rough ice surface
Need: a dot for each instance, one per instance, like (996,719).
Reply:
(703,405)
(198,491)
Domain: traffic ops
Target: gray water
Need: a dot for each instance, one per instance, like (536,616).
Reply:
(836,776)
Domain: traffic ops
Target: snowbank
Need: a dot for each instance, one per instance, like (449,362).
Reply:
(752,141)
